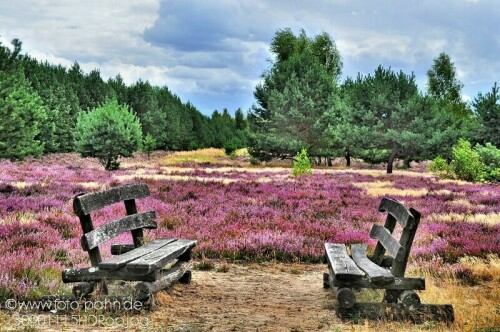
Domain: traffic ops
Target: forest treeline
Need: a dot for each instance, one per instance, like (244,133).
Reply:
(40,104)
(379,117)
(301,103)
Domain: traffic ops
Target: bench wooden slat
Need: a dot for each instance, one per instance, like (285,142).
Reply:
(342,265)
(85,204)
(159,258)
(114,228)
(119,261)
(97,274)
(398,210)
(388,241)
(399,283)
(377,274)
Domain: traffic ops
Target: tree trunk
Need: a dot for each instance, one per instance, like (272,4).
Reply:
(329,161)
(348,158)
(393,155)
(108,164)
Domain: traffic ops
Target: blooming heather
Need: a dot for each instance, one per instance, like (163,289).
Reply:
(234,213)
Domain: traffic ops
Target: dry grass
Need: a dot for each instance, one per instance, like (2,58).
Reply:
(92,185)
(475,306)
(483,269)
(167,170)
(21,217)
(453,181)
(211,156)
(20,184)
(173,178)
(461,202)
(384,188)
(377,172)
(156,177)
(487,219)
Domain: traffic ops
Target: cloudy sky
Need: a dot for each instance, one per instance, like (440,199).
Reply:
(212,52)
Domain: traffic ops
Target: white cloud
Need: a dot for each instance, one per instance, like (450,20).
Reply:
(218,49)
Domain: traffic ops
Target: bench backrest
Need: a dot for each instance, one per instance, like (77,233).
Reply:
(398,250)
(134,222)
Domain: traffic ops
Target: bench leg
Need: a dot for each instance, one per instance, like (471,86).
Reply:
(326,280)
(186,278)
(391,296)
(145,290)
(84,289)
(409,299)
(345,297)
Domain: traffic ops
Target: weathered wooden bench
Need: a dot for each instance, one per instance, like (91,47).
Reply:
(380,271)
(139,261)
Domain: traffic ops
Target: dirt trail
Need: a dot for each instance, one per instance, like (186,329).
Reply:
(275,297)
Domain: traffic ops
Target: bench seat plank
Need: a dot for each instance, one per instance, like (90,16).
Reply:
(342,265)
(377,274)
(160,257)
(119,261)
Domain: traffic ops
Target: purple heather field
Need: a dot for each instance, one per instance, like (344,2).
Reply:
(235,214)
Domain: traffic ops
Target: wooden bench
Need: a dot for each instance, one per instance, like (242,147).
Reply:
(380,271)
(139,261)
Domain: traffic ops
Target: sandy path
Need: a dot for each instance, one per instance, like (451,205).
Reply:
(273,297)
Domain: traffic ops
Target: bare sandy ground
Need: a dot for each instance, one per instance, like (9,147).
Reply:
(273,297)
(246,297)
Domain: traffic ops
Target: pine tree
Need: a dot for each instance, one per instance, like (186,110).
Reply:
(21,111)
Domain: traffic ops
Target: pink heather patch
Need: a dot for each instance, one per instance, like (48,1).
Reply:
(246,218)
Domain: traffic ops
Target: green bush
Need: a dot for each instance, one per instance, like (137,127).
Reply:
(440,167)
(107,133)
(302,164)
(231,146)
(148,144)
(490,156)
(466,162)
(254,161)
(478,164)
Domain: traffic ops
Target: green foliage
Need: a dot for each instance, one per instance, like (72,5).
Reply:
(108,132)
(21,112)
(442,79)
(239,120)
(440,167)
(148,144)
(254,161)
(466,162)
(385,115)
(231,146)
(302,164)
(294,97)
(490,157)
(67,92)
(204,265)
(487,110)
